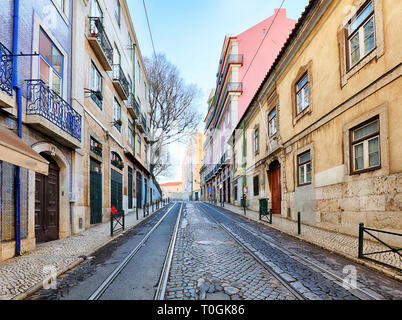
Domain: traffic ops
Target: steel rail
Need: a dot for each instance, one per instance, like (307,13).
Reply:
(109,280)
(307,262)
(284,282)
(161,289)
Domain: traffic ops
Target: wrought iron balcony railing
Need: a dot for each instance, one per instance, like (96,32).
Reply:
(133,106)
(118,76)
(96,30)
(6,70)
(44,102)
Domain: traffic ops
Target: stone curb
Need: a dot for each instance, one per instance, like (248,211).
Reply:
(368,264)
(39,286)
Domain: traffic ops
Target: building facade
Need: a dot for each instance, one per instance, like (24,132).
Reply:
(112,91)
(74,99)
(240,72)
(328,119)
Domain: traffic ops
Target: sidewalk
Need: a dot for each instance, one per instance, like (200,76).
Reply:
(20,276)
(338,243)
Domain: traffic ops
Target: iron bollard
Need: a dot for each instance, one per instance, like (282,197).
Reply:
(136,211)
(361,229)
(270,216)
(298,223)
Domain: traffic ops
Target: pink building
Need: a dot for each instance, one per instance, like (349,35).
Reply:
(245,60)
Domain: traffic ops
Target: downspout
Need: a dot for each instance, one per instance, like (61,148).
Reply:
(19,127)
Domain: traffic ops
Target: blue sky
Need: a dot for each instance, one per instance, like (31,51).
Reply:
(191,32)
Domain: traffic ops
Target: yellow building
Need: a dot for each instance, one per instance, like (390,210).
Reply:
(323,133)
(191,166)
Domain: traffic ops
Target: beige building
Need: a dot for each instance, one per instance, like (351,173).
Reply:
(191,165)
(173,190)
(110,85)
(323,133)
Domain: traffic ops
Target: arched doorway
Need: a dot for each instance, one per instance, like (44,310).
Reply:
(47,203)
(274,178)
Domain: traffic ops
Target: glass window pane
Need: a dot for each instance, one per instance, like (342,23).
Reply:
(304,158)
(302,82)
(355,24)
(45,46)
(367,130)
(308,172)
(272,114)
(369,36)
(300,101)
(374,152)
(301,175)
(306,97)
(354,49)
(56,83)
(43,70)
(359,156)
(57,60)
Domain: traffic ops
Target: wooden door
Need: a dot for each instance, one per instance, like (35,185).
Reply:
(274,175)
(95,192)
(47,204)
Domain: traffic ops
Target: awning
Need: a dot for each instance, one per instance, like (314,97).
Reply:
(19,153)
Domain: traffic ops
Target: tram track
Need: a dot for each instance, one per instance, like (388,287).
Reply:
(102,288)
(283,281)
(357,291)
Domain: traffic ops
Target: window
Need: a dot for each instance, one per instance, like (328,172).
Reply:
(117,115)
(130,47)
(117,12)
(304,168)
(145,90)
(139,72)
(50,63)
(361,35)
(365,147)
(272,122)
(96,10)
(256,185)
(302,94)
(146,153)
(96,86)
(130,137)
(60,4)
(256,140)
(139,146)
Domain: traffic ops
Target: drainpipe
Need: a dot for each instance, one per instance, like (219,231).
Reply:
(19,127)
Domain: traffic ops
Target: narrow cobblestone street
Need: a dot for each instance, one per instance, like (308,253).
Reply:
(207,264)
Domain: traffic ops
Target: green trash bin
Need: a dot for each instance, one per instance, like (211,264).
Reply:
(263,207)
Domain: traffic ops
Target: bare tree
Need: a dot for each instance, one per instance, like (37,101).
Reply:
(172,114)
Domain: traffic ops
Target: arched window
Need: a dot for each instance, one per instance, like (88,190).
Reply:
(116,161)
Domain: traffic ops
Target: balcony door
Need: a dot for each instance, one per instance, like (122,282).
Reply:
(96,10)
(50,63)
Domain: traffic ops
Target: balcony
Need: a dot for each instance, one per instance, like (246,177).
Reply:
(133,106)
(233,59)
(6,78)
(120,82)
(230,88)
(142,124)
(49,113)
(100,43)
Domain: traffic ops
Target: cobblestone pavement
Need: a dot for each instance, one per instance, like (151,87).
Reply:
(334,241)
(208,265)
(21,274)
(297,260)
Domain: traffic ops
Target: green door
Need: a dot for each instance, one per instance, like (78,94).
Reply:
(116,190)
(96,192)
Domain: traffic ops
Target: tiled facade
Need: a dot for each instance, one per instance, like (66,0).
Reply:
(61,123)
